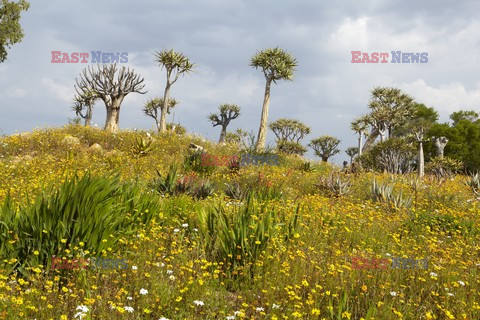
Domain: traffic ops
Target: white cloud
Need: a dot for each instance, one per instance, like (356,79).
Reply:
(61,92)
(446,98)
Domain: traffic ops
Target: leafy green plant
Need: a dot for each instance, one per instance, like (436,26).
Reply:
(474,183)
(335,185)
(193,162)
(166,185)
(307,166)
(383,193)
(235,191)
(242,236)
(142,146)
(202,189)
(94,210)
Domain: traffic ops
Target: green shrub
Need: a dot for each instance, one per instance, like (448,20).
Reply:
(395,155)
(290,147)
(443,168)
(94,210)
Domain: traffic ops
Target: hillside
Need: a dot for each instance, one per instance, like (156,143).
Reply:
(289,241)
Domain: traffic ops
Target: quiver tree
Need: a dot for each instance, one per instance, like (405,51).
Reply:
(227,112)
(325,147)
(351,152)
(83,105)
(421,121)
(10,29)
(276,64)
(111,85)
(152,107)
(175,64)
(360,126)
(390,108)
(439,143)
(288,133)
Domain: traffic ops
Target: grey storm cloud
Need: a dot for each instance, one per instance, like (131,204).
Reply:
(221,36)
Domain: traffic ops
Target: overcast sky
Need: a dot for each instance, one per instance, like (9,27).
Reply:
(220,36)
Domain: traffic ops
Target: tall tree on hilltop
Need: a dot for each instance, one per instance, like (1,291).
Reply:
(423,119)
(276,64)
(390,108)
(11,31)
(152,106)
(227,113)
(175,64)
(112,86)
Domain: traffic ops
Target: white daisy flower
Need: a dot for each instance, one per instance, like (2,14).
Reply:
(171,278)
(275,306)
(82,308)
(185,225)
(230,317)
(198,302)
(128,309)
(433,274)
(176,230)
(259,309)
(393,293)
(169,271)
(163,318)
(134,268)
(143,291)
(450,294)
(129,298)
(79,315)
(461,283)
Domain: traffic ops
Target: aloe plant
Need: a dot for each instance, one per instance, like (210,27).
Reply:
(383,193)
(335,185)
(474,183)
(94,210)
(241,237)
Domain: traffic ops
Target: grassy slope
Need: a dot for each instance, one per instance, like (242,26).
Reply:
(306,277)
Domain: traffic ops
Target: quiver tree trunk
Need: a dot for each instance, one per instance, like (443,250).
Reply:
(163,111)
(360,136)
(223,134)
(421,160)
(111,123)
(262,131)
